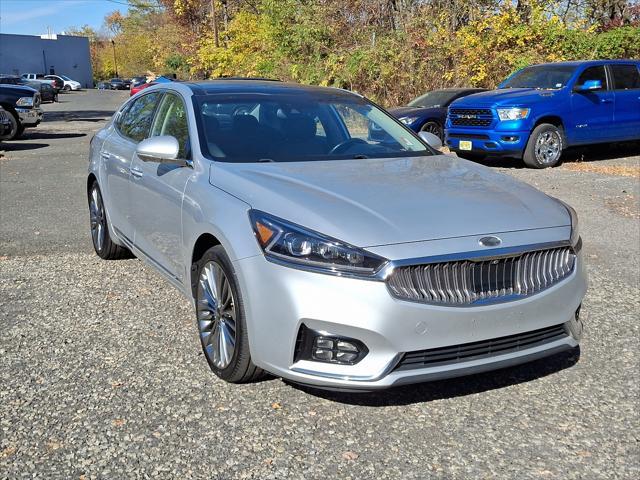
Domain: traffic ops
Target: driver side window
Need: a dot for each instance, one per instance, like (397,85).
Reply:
(171,119)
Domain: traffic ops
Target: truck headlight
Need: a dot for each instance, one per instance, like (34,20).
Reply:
(25,102)
(295,246)
(513,113)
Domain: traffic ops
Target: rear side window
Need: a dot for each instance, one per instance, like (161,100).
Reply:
(593,73)
(136,120)
(625,77)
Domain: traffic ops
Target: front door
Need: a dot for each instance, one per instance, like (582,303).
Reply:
(157,190)
(592,110)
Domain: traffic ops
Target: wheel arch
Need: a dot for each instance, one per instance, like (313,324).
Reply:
(553,120)
(203,243)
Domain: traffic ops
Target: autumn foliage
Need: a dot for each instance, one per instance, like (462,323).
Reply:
(389,50)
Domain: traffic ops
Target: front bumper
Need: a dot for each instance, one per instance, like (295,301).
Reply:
(278,300)
(507,143)
(30,117)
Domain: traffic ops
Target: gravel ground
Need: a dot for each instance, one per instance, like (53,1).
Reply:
(102,375)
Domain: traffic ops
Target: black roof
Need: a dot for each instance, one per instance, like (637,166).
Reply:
(257,86)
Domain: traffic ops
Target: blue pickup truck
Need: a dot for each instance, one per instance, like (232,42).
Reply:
(540,110)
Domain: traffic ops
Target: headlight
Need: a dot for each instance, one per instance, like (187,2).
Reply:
(575,231)
(25,102)
(408,120)
(514,113)
(295,246)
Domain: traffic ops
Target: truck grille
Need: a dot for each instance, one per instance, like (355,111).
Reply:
(467,282)
(470,117)
(484,349)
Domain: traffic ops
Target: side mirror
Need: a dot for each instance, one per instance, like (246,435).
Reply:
(432,140)
(162,149)
(590,85)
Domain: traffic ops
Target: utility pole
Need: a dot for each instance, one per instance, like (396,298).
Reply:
(214,23)
(115,62)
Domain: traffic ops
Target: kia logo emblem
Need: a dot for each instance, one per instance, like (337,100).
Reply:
(490,241)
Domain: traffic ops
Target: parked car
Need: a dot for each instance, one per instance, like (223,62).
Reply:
(318,255)
(10,80)
(64,83)
(27,77)
(141,86)
(103,86)
(22,103)
(539,111)
(117,84)
(47,93)
(428,112)
(5,124)
(138,80)
(58,82)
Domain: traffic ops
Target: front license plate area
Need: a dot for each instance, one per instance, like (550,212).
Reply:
(465,145)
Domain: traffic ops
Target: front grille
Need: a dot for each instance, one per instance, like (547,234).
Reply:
(478,136)
(465,282)
(470,117)
(477,350)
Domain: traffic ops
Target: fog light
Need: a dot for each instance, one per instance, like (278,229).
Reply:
(510,138)
(322,347)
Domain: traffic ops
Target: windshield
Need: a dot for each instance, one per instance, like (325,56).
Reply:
(65,77)
(546,77)
(437,98)
(300,127)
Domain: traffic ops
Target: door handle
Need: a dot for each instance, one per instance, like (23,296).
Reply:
(136,172)
(606,100)
(105,155)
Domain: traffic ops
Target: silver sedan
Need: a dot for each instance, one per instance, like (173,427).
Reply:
(322,241)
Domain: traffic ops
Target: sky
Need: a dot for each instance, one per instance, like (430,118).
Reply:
(36,17)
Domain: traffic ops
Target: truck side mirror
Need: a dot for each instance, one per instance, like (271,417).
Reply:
(589,86)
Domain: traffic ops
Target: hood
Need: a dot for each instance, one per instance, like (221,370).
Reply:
(506,96)
(17,89)
(374,202)
(411,111)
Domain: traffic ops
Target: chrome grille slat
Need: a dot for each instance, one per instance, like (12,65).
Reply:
(464,282)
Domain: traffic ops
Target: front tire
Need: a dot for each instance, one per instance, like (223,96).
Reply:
(67,88)
(16,129)
(221,320)
(100,236)
(433,127)
(544,147)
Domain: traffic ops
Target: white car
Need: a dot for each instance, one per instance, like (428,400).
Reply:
(68,83)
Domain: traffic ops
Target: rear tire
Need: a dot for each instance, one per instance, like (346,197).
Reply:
(221,319)
(544,147)
(100,235)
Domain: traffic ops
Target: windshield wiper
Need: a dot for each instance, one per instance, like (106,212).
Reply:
(360,156)
(266,160)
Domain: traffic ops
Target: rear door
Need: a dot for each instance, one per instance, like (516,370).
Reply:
(626,90)
(592,110)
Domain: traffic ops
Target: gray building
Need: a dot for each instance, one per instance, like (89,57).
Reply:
(60,54)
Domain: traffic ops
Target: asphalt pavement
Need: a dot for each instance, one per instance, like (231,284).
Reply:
(101,373)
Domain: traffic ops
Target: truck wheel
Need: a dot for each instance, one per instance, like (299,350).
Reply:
(544,147)
(16,128)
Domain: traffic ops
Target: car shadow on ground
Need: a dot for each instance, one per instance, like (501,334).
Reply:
(19,146)
(588,153)
(77,115)
(455,387)
(39,135)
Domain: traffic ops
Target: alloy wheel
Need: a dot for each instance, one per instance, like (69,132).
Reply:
(216,310)
(98,219)
(548,147)
(432,127)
